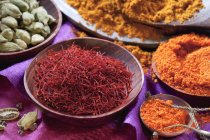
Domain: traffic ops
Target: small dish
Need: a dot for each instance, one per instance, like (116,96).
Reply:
(109,49)
(176,101)
(52,9)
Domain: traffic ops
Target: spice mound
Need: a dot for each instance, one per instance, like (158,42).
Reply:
(108,16)
(81,82)
(161,10)
(157,114)
(126,16)
(184,63)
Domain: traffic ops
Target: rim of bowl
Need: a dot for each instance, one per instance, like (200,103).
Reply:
(119,108)
(49,38)
(167,134)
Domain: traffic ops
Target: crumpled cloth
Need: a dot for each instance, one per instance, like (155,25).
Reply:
(127,127)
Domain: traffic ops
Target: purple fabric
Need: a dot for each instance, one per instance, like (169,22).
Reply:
(48,128)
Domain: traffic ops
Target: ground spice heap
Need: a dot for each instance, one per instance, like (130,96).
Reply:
(161,10)
(184,63)
(81,82)
(125,16)
(158,114)
(108,16)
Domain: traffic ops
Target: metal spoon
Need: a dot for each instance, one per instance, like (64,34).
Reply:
(192,111)
(198,131)
(200,20)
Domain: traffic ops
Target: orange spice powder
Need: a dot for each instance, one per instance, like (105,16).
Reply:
(157,114)
(184,63)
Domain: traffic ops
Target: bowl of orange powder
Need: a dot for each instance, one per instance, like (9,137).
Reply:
(157,114)
(183,63)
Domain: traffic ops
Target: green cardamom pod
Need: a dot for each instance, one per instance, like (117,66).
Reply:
(9,21)
(23,6)
(3,26)
(23,35)
(9,9)
(21,43)
(46,31)
(28,120)
(30,27)
(41,15)
(27,18)
(8,34)
(2,39)
(35,27)
(38,27)
(9,47)
(9,114)
(36,39)
(33,4)
(51,19)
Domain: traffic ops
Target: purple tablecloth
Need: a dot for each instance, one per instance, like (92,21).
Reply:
(127,127)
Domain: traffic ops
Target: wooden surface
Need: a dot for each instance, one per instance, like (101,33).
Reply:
(12,57)
(109,49)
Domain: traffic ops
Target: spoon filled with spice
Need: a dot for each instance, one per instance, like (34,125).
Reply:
(156,114)
(171,13)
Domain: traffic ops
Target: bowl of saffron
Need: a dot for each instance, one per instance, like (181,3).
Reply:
(84,81)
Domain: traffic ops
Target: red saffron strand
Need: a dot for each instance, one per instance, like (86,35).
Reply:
(81,82)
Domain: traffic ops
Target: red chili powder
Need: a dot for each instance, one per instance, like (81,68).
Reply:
(81,82)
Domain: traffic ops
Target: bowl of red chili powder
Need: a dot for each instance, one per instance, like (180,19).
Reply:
(84,81)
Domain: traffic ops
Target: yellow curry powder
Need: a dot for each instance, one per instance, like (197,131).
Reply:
(184,63)
(161,10)
(122,16)
(107,16)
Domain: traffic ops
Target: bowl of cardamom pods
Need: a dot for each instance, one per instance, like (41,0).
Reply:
(26,27)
